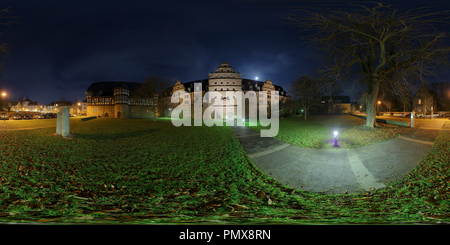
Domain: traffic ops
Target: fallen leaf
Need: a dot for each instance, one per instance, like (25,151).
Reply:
(87,217)
(48,220)
(345,192)
(390,167)
(240,206)
(362,198)
(269,201)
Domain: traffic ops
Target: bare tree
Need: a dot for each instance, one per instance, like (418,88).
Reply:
(307,91)
(151,92)
(442,91)
(383,48)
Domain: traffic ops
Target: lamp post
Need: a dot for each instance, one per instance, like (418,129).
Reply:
(335,138)
(4,101)
(379,102)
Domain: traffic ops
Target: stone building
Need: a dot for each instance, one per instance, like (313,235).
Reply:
(54,106)
(424,101)
(113,99)
(334,105)
(224,79)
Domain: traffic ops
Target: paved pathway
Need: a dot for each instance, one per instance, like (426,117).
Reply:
(339,170)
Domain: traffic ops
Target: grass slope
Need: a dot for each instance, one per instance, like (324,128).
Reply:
(317,132)
(134,170)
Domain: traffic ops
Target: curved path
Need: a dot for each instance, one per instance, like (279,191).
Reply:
(339,170)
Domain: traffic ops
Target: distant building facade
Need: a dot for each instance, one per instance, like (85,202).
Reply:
(424,101)
(54,106)
(25,105)
(335,105)
(114,99)
(224,79)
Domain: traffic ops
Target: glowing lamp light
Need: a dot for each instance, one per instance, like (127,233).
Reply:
(335,138)
(256,78)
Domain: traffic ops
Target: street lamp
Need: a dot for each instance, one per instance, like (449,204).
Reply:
(4,101)
(379,102)
(335,138)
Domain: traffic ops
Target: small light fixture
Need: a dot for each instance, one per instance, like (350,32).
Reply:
(335,139)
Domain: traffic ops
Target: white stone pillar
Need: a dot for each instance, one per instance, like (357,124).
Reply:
(412,119)
(59,123)
(65,121)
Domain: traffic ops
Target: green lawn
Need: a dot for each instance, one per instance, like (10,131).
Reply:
(134,170)
(317,131)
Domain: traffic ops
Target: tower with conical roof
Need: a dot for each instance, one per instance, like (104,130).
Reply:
(224,79)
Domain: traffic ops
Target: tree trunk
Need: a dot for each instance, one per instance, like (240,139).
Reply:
(370,110)
(305,115)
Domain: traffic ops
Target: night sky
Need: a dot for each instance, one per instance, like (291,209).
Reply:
(60,47)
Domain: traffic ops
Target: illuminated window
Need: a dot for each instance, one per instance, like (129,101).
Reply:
(420,102)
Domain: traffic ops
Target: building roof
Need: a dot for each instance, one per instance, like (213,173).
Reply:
(343,99)
(61,103)
(246,83)
(107,88)
(422,89)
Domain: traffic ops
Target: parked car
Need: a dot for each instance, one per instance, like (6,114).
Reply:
(4,116)
(26,116)
(38,116)
(16,116)
(49,115)
(72,115)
